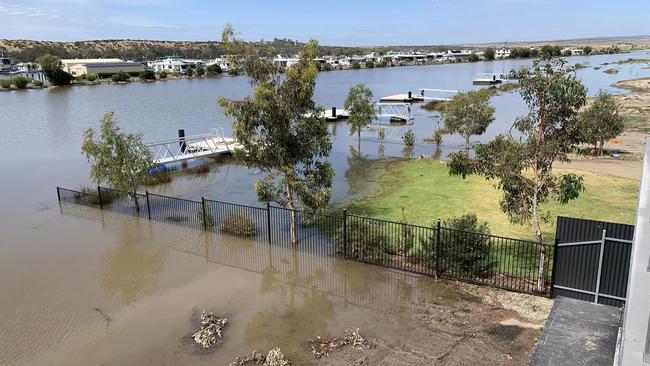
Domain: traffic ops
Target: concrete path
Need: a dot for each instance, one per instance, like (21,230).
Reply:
(578,333)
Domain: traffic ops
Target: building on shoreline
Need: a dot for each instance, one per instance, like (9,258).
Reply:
(78,67)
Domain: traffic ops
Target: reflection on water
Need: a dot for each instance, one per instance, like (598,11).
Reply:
(272,296)
(132,267)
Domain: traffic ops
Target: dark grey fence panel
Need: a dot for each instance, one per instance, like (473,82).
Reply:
(579,272)
(237,220)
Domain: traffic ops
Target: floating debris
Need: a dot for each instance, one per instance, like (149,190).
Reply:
(210,332)
(275,357)
(323,347)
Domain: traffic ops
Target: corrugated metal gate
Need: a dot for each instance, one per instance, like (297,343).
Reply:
(592,260)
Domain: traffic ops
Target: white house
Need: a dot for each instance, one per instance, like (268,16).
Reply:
(502,53)
(282,61)
(170,65)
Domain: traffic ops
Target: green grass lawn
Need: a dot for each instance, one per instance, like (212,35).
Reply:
(429,193)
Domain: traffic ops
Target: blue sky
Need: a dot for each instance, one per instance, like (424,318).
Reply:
(332,22)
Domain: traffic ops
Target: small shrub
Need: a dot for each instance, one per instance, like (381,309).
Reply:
(90,196)
(91,77)
(200,70)
(355,65)
(120,76)
(435,105)
(158,178)
(5,84)
(238,224)
(37,83)
(147,75)
(214,70)
(409,138)
(407,236)
(189,72)
(162,75)
(364,241)
(370,64)
(59,78)
(20,82)
(464,250)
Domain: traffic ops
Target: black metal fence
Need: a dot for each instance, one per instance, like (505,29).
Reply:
(593,260)
(435,251)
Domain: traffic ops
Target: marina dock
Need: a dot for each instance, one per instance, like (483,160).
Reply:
(403,98)
(192,147)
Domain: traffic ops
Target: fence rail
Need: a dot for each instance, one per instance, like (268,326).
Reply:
(434,251)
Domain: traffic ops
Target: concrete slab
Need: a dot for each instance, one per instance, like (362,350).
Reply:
(578,333)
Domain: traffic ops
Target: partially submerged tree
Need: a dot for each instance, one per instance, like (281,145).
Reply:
(118,158)
(600,121)
(361,108)
(282,130)
(469,113)
(522,166)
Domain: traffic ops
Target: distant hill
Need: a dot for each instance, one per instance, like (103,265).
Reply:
(28,50)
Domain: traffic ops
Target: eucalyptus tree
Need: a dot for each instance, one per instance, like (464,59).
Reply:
(361,108)
(522,166)
(282,130)
(118,158)
(469,113)
(600,121)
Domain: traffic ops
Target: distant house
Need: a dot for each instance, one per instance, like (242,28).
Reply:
(171,65)
(78,66)
(574,51)
(284,62)
(502,53)
(223,64)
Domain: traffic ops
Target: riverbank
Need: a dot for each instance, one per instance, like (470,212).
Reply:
(429,193)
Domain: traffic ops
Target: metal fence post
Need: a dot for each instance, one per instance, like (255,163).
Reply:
(205,220)
(555,248)
(437,248)
(99,195)
(345,233)
(148,207)
(600,266)
(268,221)
(58,193)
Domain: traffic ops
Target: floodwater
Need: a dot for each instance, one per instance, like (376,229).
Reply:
(78,286)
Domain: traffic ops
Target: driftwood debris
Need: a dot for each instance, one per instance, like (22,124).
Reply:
(210,332)
(275,357)
(323,347)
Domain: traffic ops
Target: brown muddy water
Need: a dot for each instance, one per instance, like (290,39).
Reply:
(84,287)
(119,291)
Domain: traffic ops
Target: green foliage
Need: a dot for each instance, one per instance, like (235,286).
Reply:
(120,76)
(282,130)
(361,108)
(239,224)
(355,65)
(587,50)
(469,113)
(473,58)
(407,234)
(409,138)
(600,121)
(214,70)
(567,53)
(52,68)
(381,134)
(118,158)
(365,242)
(200,70)
(488,54)
(189,72)
(20,82)
(162,75)
(147,75)
(465,249)
(5,83)
(523,167)
(91,77)
(37,83)
(370,64)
